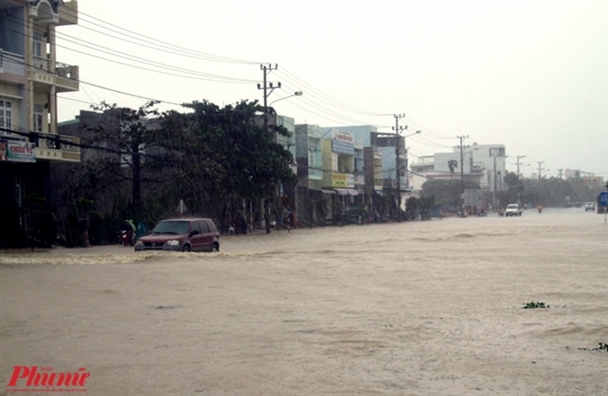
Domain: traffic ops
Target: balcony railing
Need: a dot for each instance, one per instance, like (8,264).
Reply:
(68,145)
(61,69)
(67,71)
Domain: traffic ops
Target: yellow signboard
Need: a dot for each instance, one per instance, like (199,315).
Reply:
(339,180)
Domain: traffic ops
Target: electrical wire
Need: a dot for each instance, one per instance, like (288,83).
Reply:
(96,85)
(153,43)
(326,98)
(196,75)
(165,47)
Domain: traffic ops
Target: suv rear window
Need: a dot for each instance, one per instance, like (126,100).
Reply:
(211,225)
(204,226)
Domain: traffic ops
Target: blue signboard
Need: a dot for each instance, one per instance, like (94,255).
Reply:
(604,198)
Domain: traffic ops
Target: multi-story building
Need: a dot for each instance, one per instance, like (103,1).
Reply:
(31,76)
(385,145)
(339,172)
(481,163)
(288,190)
(309,157)
(372,158)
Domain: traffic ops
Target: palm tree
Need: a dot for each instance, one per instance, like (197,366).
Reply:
(452,164)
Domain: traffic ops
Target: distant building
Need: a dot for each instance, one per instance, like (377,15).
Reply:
(572,174)
(481,163)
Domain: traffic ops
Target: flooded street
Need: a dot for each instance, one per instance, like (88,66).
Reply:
(418,308)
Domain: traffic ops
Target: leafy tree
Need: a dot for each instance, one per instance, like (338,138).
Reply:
(446,192)
(452,164)
(513,190)
(225,154)
(558,192)
(127,139)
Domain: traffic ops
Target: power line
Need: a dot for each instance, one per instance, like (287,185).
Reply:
(328,99)
(163,45)
(96,85)
(202,75)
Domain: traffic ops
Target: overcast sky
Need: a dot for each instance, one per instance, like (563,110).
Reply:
(529,75)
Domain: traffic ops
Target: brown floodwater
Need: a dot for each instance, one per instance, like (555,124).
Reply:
(417,308)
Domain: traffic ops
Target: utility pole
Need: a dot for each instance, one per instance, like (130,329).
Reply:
(540,169)
(519,163)
(493,154)
(266,69)
(268,88)
(462,168)
(398,130)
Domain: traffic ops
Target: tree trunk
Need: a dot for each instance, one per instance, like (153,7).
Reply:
(136,177)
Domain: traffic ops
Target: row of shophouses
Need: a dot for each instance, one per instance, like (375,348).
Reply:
(343,171)
(352,171)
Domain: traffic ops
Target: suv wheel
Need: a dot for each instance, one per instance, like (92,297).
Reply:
(215,248)
(186,248)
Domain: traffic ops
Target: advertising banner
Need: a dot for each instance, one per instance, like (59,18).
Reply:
(343,143)
(339,180)
(343,180)
(17,151)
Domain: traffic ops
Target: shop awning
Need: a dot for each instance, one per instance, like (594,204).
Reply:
(346,191)
(379,192)
(341,191)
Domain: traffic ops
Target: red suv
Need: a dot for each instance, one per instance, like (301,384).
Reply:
(182,235)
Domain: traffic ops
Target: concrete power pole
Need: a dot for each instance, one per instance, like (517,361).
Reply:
(398,130)
(493,153)
(268,88)
(540,169)
(462,168)
(519,163)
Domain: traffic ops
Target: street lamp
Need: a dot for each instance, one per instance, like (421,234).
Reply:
(297,93)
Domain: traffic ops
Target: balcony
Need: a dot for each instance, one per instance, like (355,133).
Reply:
(55,13)
(67,77)
(12,67)
(478,168)
(56,147)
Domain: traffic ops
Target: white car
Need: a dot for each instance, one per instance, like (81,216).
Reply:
(513,210)
(589,206)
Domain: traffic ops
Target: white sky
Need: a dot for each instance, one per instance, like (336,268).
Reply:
(530,75)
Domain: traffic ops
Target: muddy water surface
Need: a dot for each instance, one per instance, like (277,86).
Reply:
(422,308)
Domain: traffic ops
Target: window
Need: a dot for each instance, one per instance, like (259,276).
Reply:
(37,45)
(37,118)
(194,226)
(6,114)
(204,226)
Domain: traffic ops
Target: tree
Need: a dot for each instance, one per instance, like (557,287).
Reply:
(446,192)
(513,191)
(125,135)
(225,154)
(452,164)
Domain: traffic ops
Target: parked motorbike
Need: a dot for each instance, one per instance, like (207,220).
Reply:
(125,238)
